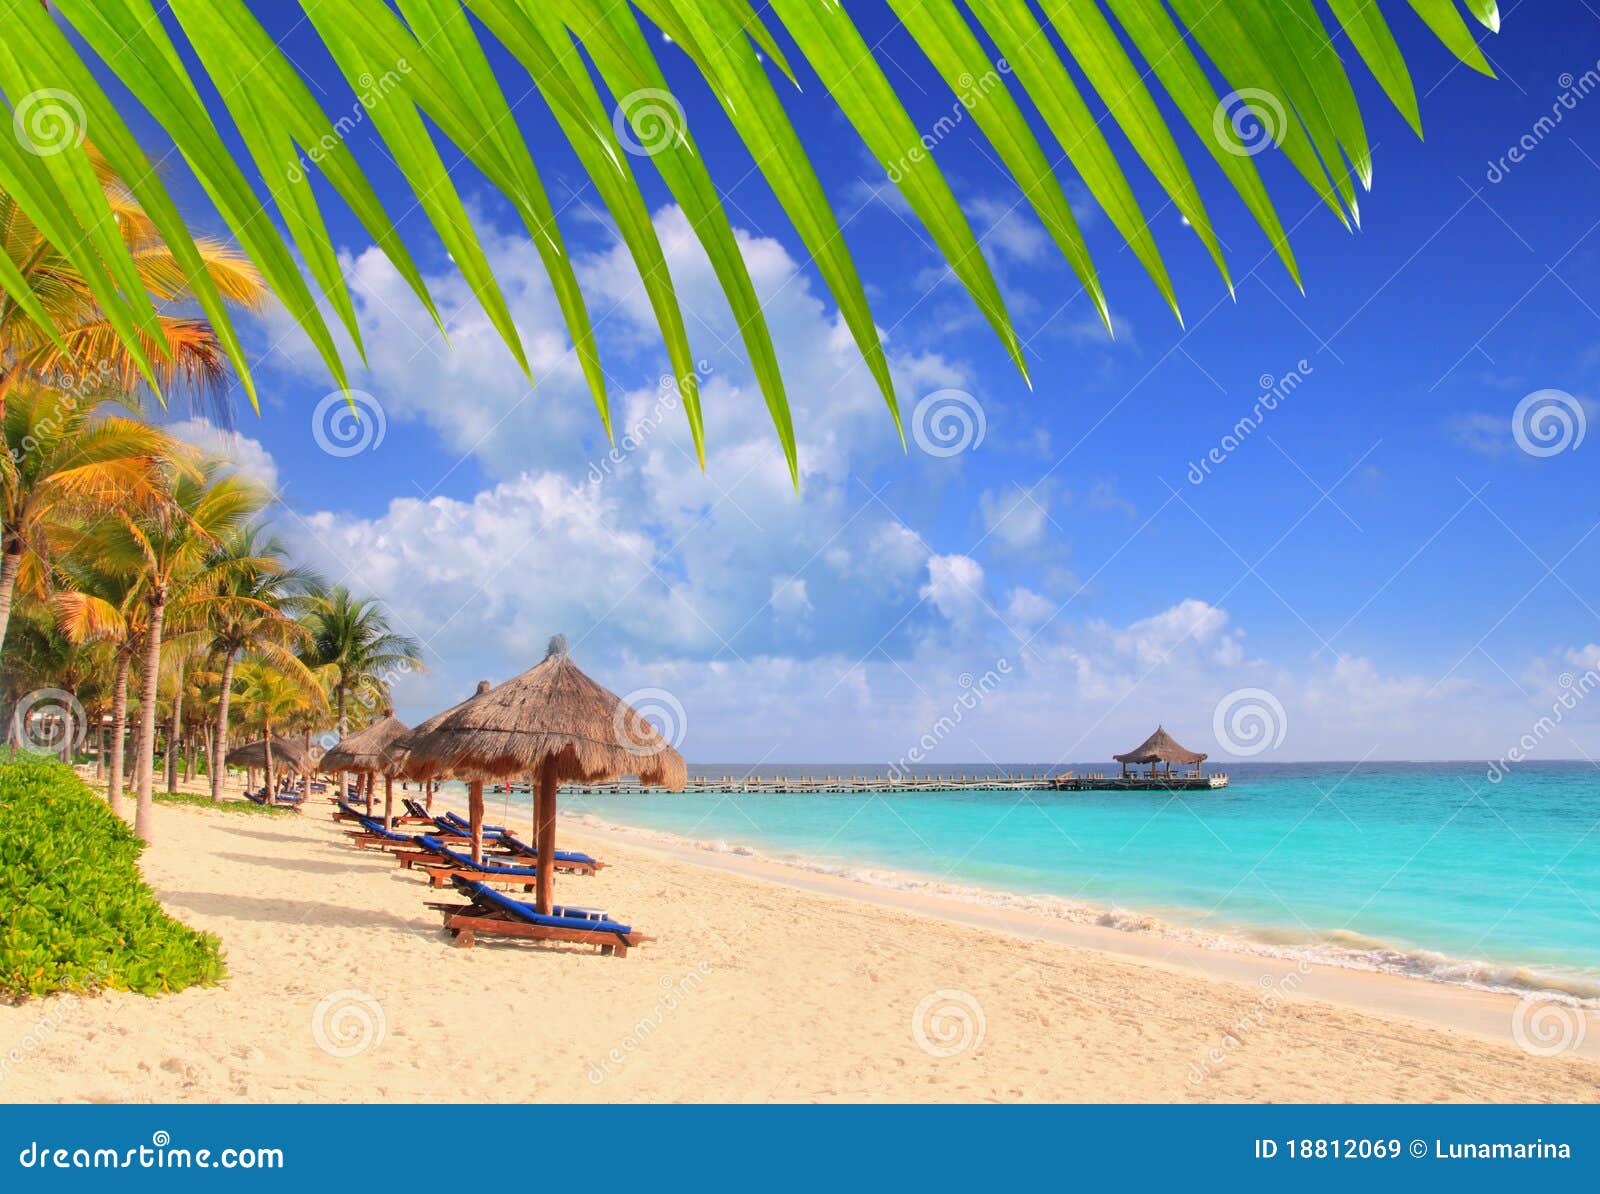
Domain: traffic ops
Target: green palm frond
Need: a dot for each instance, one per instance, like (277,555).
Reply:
(422,74)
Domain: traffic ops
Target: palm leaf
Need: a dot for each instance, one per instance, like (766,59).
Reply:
(1278,57)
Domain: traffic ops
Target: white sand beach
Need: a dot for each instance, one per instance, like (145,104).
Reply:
(763,984)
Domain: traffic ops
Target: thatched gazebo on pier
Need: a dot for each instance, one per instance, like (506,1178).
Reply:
(1159,752)
(371,752)
(552,724)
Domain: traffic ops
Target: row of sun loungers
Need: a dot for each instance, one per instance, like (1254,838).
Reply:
(441,851)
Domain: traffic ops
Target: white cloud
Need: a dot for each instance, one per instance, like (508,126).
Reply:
(955,586)
(1016,516)
(246,456)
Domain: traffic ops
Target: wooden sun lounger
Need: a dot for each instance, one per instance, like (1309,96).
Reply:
(483,915)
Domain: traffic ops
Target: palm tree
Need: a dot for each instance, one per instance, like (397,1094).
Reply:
(267,595)
(65,462)
(271,700)
(354,645)
(1282,80)
(351,638)
(97,601)
(94,351)
(172,548)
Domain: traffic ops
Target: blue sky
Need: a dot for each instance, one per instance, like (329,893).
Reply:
(1378,567)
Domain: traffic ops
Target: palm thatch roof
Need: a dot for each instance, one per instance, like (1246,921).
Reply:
(551,717)
(285,753)
(369,750)
(1160,747)
(409,764)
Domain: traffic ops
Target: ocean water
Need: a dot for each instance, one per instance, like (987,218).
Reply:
(1427,869)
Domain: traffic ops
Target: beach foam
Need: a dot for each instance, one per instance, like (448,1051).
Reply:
(1339,947)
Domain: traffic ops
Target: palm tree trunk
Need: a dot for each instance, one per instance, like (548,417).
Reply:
(10,565)
(175,731)
(119,729)
(218,766)
(338,778)
(144,813)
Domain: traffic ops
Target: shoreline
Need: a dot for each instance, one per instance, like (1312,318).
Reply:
(1037,913)
(761,984)
(1482,1010)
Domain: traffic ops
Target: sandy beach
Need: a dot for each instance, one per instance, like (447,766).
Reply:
(763,984)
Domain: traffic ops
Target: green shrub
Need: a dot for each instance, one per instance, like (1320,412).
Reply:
(201,800)
(75,914)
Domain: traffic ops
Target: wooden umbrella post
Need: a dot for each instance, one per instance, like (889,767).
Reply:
(546,811)
(388,802)
(475,813)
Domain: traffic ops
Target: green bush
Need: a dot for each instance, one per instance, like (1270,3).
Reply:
(75,914)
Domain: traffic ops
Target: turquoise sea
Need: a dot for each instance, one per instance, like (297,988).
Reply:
(1427,869)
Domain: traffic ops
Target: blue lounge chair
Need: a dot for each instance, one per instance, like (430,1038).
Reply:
(442,863)
(496,914)
(565,859)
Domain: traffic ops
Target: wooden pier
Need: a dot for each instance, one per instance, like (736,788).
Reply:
(794,785)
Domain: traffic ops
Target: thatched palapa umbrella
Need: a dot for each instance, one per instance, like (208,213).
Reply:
(268,753)
(553,724)
(371,752)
